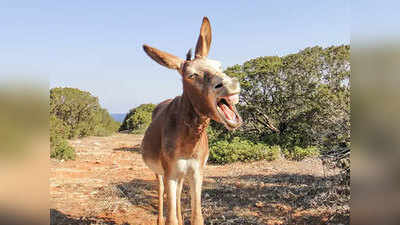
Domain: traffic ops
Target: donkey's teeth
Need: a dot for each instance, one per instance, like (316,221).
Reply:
(229,114)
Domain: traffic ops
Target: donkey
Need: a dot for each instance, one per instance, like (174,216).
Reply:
(175,144)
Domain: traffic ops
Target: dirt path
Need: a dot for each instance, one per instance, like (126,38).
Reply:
(108,183)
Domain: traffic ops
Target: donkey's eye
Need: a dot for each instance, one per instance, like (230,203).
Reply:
(193,75)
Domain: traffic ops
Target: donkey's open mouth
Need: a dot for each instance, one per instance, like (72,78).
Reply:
(227,111)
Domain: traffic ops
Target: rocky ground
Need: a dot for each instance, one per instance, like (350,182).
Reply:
(108,183)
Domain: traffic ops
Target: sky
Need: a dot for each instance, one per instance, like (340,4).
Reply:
(96,46)
(374,22)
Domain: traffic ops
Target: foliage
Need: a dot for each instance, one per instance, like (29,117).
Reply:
(138,119)
(298,153)
(106,124)
(217,132)
(75,113)
(61,150)
(301,99)
(80,113)
(224,151)
(58,128)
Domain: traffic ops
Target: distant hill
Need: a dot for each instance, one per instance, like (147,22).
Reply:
(119,117)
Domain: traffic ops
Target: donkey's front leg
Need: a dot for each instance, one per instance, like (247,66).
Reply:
(178,201)
(195,192)
(160,220)
(171,186)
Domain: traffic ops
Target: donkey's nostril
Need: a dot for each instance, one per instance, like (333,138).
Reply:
(219,86)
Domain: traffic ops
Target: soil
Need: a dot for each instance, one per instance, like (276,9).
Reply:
(108,183)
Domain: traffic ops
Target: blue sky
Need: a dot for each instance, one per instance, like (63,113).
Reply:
(97,45)
(374,22)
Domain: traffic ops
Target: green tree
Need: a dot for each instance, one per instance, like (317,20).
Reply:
(301,99)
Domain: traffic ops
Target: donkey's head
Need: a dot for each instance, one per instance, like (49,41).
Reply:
(211,92)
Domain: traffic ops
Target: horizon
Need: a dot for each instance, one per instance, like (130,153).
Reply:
(98,47)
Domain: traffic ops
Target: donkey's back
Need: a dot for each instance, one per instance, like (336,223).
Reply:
(159,108)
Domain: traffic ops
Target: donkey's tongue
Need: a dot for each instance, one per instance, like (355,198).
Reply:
(229,114)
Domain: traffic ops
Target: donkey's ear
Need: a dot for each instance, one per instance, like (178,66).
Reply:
(204,41)
(163,58)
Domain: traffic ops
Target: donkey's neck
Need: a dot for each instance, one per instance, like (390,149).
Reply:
(195,123)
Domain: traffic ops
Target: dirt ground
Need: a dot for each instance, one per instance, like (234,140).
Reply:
(108,183)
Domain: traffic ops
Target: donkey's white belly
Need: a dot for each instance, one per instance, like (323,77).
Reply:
(184,166)
(181,168)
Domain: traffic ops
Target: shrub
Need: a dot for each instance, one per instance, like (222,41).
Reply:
(222,152)
(273,153)
(58,128)
(61,150)
(138,119)
(105,124)
(215,134)
(75,113)
(298,153)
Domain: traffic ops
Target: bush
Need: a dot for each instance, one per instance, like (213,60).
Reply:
(75,113)
(222,152)
(58,128)
(298,153)
(105,124)
(273,153)
(61,150)
(216,132)
(138,119)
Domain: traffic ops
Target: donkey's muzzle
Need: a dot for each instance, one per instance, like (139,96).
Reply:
(232,86)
